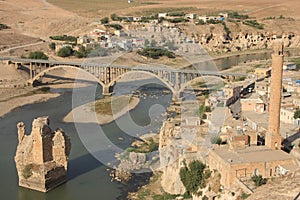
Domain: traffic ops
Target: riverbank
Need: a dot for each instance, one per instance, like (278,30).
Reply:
(106,110)
(30,97)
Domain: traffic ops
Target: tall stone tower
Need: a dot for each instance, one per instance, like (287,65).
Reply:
(273,138)
(42,156)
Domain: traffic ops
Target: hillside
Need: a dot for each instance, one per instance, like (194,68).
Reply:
(284,188)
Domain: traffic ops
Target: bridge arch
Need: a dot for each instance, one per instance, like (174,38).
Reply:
(42,73)
(167,84)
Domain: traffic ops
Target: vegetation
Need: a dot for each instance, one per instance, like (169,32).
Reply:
(146,147)
(38,55)
(115,26)
(176,14)
(297,114)
(226,29)
(177,20)
(194,176)
(109,105)
(143,194)
(98,52)
(65,38)
(3,26)
(104,20)
(254,24)
(114,17)
(52,46)
(65,51)
(213,21)
(82,52)
(269,18)
(236,15)
(241,78)
(27,171)
(258,180)
(165,196)
(297,62)
(156,52)
(245,196)
(216,140)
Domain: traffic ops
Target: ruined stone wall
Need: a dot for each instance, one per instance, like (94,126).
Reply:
(41,157)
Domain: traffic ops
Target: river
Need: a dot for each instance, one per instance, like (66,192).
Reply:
(87,177)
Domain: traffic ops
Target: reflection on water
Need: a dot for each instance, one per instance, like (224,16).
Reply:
(88,178)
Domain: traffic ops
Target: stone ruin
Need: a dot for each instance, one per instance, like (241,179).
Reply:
(42,157)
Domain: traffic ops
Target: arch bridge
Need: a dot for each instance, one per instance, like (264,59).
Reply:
(107,75)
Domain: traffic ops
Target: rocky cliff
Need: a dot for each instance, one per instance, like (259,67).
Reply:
(42,157)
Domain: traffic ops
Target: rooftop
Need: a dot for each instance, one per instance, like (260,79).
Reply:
(253,154)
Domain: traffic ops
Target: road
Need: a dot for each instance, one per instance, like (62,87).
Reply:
(21,46)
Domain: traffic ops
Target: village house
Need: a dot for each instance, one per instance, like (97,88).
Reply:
(236,166)
(253,103)
(262,87)
(262,72)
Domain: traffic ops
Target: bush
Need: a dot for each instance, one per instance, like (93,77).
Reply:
(38,55)
(104,20)
(176,14)
(245,196)
(3,26)
(254,24)
(115,26)
(177,20)
(216,140)
(52,46)
(114,17)
(258,180)
(65,52)
(82,52)
(193,176)
(236,15)
(27,171)
(297,114)
(66,38)
(156,53)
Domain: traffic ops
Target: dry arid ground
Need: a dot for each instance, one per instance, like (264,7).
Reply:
(260,8)
(33,19)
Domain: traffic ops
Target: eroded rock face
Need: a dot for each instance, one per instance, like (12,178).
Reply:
(42,157)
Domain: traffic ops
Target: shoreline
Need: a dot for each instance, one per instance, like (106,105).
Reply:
(10,105)
(86,110)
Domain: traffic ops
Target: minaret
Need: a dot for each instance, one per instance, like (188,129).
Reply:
(273,138)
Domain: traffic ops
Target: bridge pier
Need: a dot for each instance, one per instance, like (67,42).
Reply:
(107,90)
(176,97)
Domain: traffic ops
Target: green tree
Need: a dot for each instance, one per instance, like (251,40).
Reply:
(146,43)
(193,176)
(297,114)
(38,55)
(104,20)
(258,180)
(153,43)
(115,17)
(216,140)
(81,53)
(65,51)
(52,46)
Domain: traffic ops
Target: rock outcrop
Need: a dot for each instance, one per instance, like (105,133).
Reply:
(42,157)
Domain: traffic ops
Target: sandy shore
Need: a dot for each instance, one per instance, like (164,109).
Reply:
(11,104)
(85,114)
